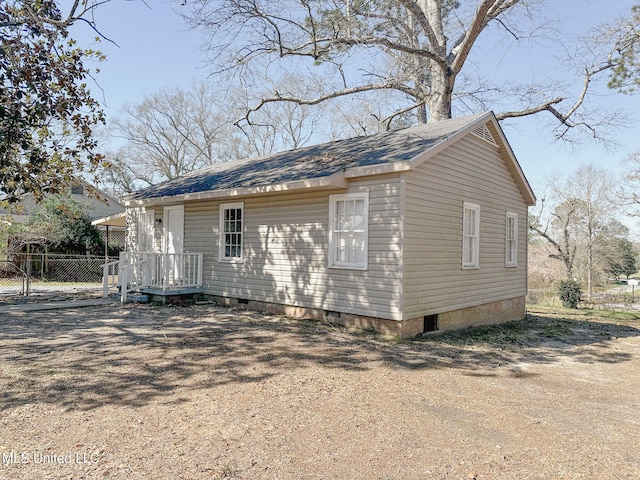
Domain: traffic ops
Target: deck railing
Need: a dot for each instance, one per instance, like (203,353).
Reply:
(150,270)
(110,276)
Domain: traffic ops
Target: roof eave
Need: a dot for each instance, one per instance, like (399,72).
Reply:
(115,220)
(335,181)
(340,180)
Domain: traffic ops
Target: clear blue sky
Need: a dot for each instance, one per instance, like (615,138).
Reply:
(155,49)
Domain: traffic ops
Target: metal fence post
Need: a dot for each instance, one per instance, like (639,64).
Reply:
(26,292)
(105,280)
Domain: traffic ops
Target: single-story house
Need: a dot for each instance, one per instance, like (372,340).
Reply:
(407,231)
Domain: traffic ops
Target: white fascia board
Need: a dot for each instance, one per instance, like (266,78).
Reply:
(115,220)
(377,169)
(334,181)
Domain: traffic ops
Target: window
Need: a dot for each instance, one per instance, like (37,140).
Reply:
(348,230)
(231,218)
(471,235)
(511,254)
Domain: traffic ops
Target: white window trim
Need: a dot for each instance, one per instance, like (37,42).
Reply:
(333,200)
(475,261)
(221,233)
(513,216)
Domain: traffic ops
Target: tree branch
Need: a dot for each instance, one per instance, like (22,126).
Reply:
(315,101)
(485,13)
(547,106)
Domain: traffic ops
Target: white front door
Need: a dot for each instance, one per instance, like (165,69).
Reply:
(174,242)
(173,229)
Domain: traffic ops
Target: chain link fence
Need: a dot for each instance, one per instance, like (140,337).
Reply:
(27,273)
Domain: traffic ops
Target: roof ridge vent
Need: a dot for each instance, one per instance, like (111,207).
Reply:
(483,132)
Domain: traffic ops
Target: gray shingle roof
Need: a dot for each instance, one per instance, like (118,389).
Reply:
(311,162)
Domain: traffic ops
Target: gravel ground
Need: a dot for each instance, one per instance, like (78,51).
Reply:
(48,295)
(141,392)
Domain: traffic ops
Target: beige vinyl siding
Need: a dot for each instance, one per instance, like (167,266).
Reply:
(285,252)
(470,170)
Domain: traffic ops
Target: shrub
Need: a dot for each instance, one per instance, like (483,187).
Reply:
(570,292)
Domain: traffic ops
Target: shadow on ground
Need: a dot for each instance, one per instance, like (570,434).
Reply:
(133,355)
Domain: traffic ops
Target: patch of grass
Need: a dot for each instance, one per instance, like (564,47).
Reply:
(229,471)
(541,324)
(514,333)
(625,316)
(622,317)
(556,330)
(372,334)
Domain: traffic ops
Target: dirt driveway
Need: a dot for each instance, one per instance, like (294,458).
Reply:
(202,392)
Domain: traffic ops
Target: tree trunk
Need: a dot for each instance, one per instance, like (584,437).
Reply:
(439,101)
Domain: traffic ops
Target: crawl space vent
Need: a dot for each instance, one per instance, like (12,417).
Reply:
(483,132)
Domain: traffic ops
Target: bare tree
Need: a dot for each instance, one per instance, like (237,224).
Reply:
(415,50)
(117,179)
(583,221)
(168,134)
(631,181)
(282,126)
(177,130)
(556,229)
(596,188)
(541,273)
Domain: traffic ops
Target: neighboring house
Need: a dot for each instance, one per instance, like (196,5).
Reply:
(408,231)
(96,204)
